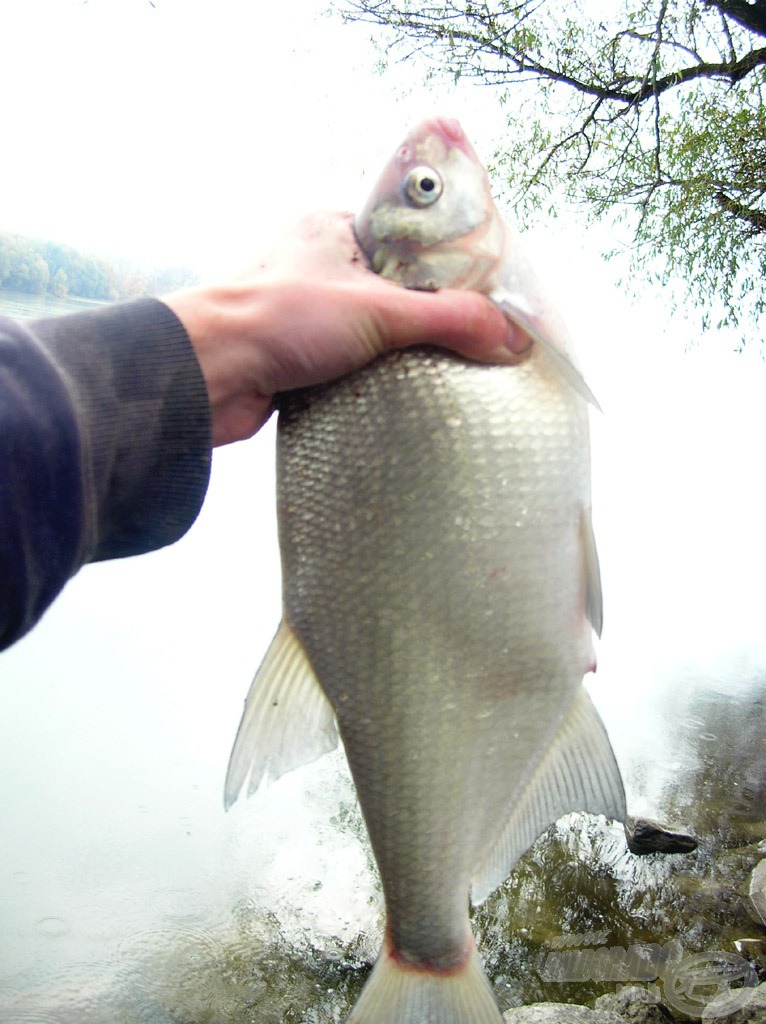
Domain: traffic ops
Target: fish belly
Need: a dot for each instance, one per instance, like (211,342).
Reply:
(429,516)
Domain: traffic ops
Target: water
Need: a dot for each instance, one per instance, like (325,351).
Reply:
(126,894)
(25,306)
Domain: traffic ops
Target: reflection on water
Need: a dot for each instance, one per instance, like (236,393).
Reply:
(722,759)
(247,970)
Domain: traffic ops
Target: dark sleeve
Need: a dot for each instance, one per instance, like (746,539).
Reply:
(104,446)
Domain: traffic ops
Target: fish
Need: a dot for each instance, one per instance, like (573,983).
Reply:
(441,590)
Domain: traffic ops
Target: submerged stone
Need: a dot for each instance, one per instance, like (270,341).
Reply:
(635,1004)
(754,951)
(724,1009)
(560,1013)
(757,892)
(644,835)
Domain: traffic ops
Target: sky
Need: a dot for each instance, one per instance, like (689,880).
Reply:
(189,130)
(192,132)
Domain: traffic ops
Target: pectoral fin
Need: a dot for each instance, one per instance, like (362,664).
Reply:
(514,308)
(577,772)
(287,721)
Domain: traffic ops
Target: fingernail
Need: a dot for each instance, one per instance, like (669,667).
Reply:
(517,339)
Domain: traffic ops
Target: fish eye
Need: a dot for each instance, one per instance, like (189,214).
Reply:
(423,186)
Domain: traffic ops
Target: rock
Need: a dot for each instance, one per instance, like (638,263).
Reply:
(560,1013)
(647,836)
(635,1004)
(752,1011)
(757,892)
(754,951)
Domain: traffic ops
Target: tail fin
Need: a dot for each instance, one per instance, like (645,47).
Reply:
(398,994)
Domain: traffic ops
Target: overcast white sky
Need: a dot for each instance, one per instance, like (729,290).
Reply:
(190,132)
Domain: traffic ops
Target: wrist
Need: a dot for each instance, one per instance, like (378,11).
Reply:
(224,324)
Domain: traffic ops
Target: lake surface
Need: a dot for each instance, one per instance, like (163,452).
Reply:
(25,306)
(126,894)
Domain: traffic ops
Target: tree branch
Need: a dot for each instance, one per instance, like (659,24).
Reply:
(735,71)
(756,218)
(751,16)
(431,29)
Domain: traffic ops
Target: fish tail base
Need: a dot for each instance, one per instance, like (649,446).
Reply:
(397,993)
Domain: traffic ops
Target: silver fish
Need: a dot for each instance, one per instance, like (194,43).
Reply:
(441,586)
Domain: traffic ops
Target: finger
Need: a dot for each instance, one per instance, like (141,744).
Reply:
(464,321)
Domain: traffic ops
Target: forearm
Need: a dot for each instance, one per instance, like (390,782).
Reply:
(104,447)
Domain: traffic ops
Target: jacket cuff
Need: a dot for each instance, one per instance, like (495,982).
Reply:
(144,419)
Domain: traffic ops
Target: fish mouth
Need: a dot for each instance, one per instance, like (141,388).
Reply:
(448,129)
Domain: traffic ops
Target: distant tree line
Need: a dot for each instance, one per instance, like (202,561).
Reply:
(30,265)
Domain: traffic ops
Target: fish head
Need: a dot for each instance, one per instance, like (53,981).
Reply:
(430,221)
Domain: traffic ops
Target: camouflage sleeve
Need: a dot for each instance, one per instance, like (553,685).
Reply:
(104,447)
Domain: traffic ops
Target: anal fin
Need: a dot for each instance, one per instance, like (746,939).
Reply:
(577,772)
(287,721)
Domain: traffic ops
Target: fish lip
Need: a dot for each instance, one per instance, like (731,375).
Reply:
(450,131)
(450,128)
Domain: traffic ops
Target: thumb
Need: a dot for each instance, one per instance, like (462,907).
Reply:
(464,321)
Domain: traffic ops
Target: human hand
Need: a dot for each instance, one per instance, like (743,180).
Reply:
(312,311)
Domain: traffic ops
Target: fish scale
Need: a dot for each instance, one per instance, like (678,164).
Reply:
(453,628)
(438,574)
